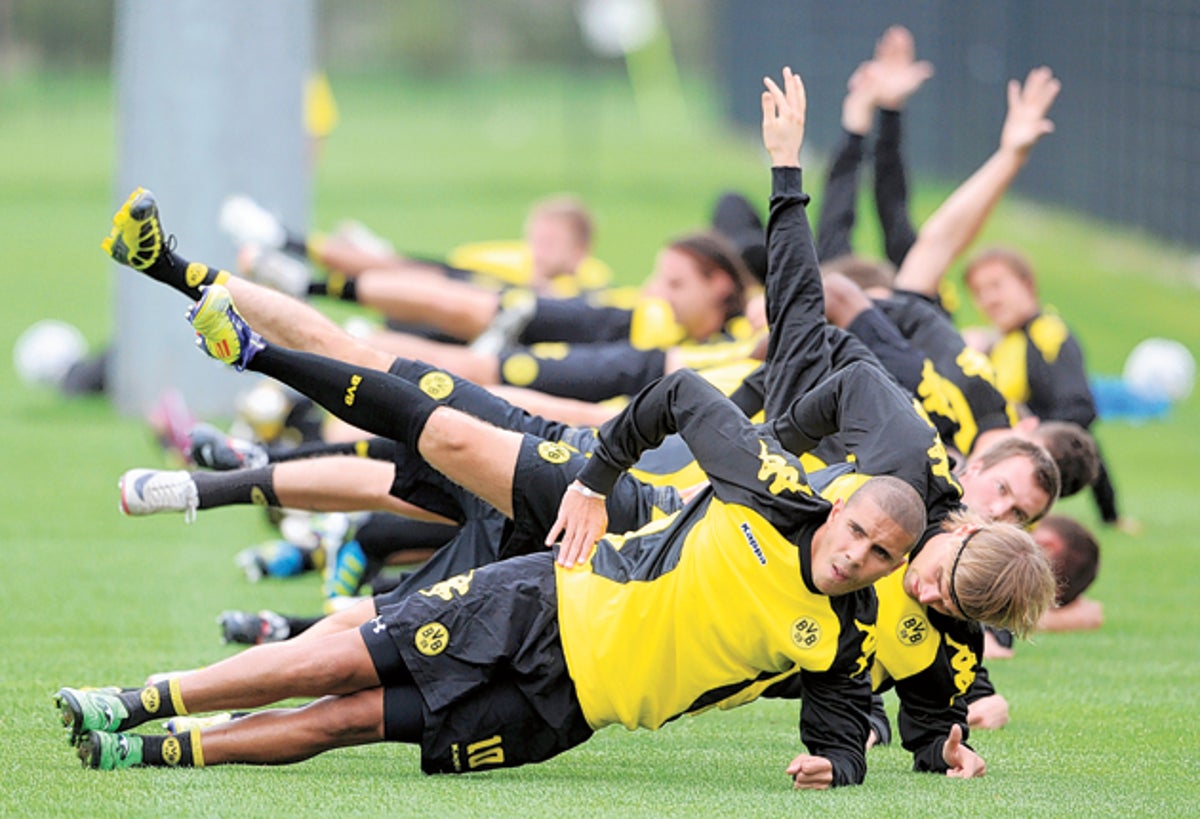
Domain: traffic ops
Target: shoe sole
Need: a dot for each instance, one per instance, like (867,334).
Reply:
(86,750)
(71,714)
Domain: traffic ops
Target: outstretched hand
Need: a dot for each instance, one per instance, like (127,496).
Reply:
(897,73)
(581,521)
(783,119)
(964,763)
(1028,105)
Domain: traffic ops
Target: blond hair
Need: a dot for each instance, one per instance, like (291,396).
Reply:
(569,209)
(1000,576)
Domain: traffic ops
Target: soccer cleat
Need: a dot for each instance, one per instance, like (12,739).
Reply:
(506,328)
(181,725)
(212,449)
(170,419)
(275,270)
(249,223)
(345,572)
(361,237)
(84,711)
(250,629)
(109,752)
(221,330)
(149,491)
(275,558)
(137,238)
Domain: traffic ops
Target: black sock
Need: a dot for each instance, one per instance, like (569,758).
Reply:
(152,702)
(298,625)
(180,751)
(186,277)
(336,286)
(296,245)
(237,487)
(375,401)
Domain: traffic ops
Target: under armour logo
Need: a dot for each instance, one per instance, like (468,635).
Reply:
(379,626)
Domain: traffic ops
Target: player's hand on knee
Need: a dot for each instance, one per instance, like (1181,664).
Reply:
(989,712)
(582,520)
(964,763)
(811,773)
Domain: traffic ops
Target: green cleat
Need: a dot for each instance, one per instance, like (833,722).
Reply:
(84,711)
(137,238)
(222,331)
(109,752)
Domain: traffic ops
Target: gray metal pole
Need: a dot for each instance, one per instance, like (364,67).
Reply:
(209,103)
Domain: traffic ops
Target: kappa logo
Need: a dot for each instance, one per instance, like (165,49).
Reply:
(460,584)
(195,273)
(912,630)
(779,472)
(753,541)
(171,751)
(352,390)
(379,625)
(870,640)
(257,496)
(963,662)
(554,452)
(437,385)
(150,700)
(806,632)
(431,639)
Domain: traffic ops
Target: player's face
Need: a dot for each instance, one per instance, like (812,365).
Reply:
(1005,491)
(697,301)
(927,578)
(1007,299)
(858,545)
(554,248)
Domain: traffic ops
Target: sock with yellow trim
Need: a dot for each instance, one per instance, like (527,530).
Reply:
(157,701)
(336,286)
(182,751)
(236,487)
(187,277)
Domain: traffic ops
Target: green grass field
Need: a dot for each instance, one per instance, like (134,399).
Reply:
(1104,723)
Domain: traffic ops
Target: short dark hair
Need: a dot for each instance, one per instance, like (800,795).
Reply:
(1045,471)
(1010,258)
(1073,450)
(864,272)
(1076,566)
(713,252)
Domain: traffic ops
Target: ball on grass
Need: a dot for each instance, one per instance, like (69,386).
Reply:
(47,350)
(1160,368)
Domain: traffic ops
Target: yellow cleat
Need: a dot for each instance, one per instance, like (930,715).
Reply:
(221,330)
(136,239)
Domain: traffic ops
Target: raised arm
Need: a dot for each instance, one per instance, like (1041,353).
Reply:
(954,225)
(896,74)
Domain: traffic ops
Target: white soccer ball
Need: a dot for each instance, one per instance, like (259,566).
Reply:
(46,350)
(1160,368)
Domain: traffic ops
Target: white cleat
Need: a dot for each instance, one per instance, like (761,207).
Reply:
(247,222)
(274,269)
(150,491)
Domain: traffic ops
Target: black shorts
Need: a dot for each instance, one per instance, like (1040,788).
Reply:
(484,651)
(589,372)
(544,471)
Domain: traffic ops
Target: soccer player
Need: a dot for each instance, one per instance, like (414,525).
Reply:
(514,662)
(1038,361)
